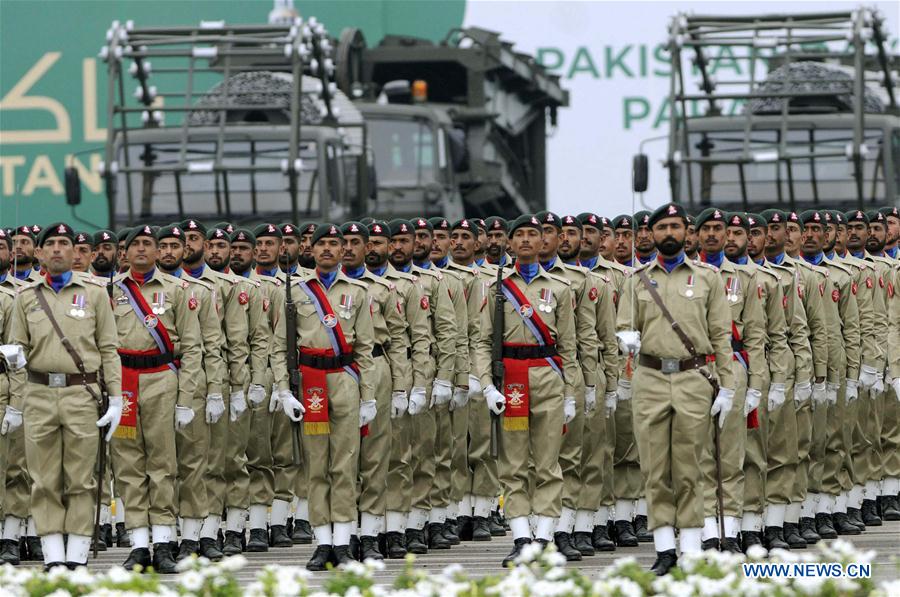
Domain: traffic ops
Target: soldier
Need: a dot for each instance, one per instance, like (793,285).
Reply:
(623,230)
(334,329)
(61,397)
(305,258)
(691,242)
(497,241)
(24,255)
(103,257)
(539,352)
(121,258)
(83,247)
(290,248)
(644,249)
(596,235)
(892,239)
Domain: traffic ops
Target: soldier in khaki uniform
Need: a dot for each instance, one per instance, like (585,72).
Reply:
(160,347)
(60,398)
(671,397)
(82,259)
(540,362)
(334,330)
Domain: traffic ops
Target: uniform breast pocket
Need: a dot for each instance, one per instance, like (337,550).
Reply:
(305,311)
(692,294)
(36,316)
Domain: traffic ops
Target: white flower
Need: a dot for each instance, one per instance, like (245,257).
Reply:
(192,581)
(233,563)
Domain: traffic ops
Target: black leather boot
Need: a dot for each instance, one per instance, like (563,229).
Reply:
(890,508)
(320,558)
(451,531)
(731,545)
(436,539)
(100,545)
(824,526)
(870,514)
(163,562)
(665,561)
(481,529)
(640,529)
(625,536)
(854,515)
(368,549)
(808,530)
(600,539)
(209,549)
(51,565)
(279,537)
(354,548)
(187,548)
(302,534)
(773,537)
(9,552)
(107,534)
(289,527)
(842,524)
(123,539)
(138,557)
(232,545)
(495,523)
(259,540)
(792,536)
(341,555)
(749,539)
(36,552)
(395,545)
(464,528)
(518,544)
(582,542)
(564,546)
(415,541)
(710,544)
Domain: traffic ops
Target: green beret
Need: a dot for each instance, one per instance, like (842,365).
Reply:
(465,224)
(105,236)
(738,219)
(623,221)
(24,231)
(326,230)
(571,221)
(307,228)
(379,228)
(496,224)
(812,216)
(267,230)
(400,226)
(84,238)
(226,226)
(756,220)
(422,224)
(240,235)
(890,212)
(139,231)
(642,218)
(357,228)
(856,216)
(194,226)
(367,220)
(548,217)
(710,214)
(288,229)
(525,221)
(832,216)
(439,223)
(876,217)
(590,219)
(170,231)
(57,229)
(669,210)
(5,237)
(774,216)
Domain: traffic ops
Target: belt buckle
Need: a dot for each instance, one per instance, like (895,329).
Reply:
(670,365)
(56,380)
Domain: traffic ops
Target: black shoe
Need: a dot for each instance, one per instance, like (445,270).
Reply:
(890,508)
(870,514)
(564,545)
(543,543)
(302,534)
(100,545)
(415,541)
(187,548)
(731,545)
(749,539)
(773,537)
(625,536)
(320,558)
(259,540)
(75,565)
(52,565)
(464,528)
(36,552)
(495,524)
(792,536)
(665,561)
(123,539)
(707,544)
(368,549)
(808,530)
(9,552)
(107,534)
(163,562)
(481,529)
(842,524)
(854,515)
(209,549)
(824,526)
(232,545)
(518,544)
(340,554)
(436,539)
(220,539)
(289,527)
(355,549)
(138,557)
(23,550)
(244,539)
(395,545)
(279,537)
(640,529)
(582,542)
(600,539)
(451,534)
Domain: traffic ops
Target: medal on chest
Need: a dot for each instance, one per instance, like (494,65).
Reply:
(329,320)
(345,306)
(78,303)
(545,300)
(732,289)
(159,303)
(689,289)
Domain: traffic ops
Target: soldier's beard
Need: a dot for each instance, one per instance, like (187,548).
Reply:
(374,259)
(169,266)
(670,247)
(307,261)
(829,246)
(192,257)
(23,260)
(873,246)
(494,251)
(568,255)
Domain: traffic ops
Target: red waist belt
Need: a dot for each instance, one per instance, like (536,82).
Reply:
(314,386)
(516,389)
(134,364)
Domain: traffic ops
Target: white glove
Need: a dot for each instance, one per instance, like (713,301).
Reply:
(776,396)
(367,412)
(629,341)
(568,410)
(867,376)
(460,398)
(183,417)
(474,386)
(274,403)
(112,416)
(852,392)
(256,394)
(819,393)
(754,396)
(878,386)
(831,392)
(441,392)
(623,389)
(722,405)
(802,392)
(495,400)
(14,355)
(293,409)
(417,400)
(215,408)
(238,405)
(896,385)
(399,404)
(590,399)
(12,420)
(610,402)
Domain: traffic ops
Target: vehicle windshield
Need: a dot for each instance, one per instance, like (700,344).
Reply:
(404,152)
(241,195)
(826,179)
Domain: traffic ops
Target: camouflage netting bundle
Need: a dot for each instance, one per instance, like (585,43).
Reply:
(812,76)
(257,88)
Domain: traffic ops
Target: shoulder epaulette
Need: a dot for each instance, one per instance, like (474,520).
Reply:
(430,272)
(558,278)
(91,278)
(199,282)
(381,280)
(603,277)
(7,291)
(847,269)
(404,275)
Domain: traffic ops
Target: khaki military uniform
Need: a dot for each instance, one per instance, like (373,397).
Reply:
(891,424)
(17,486)
(7,297)
(63,419)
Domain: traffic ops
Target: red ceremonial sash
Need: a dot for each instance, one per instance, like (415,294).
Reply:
(127,428)
(742,357)
(139,304)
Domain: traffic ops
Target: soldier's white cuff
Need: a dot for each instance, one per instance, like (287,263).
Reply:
(14,355)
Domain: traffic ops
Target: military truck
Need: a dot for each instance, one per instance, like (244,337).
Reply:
(821,129)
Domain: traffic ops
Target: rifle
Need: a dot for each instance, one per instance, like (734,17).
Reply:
(497,370)
(290,320)
(101,448)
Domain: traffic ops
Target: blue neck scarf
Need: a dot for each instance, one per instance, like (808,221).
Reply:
(590,262)
(778,259)
(831,256)
(715,259)
(327,278)
(548,264)
(355,273)
(379,271)
(670,263)
(814,259)
(892,253)
(406,268)
(271,272)
(760,261)
(196,273)
(442,262)
(528,271)
(859,254)
(177,273)
(424,264)
(648,258)
(480,262)
(23,275)
(58,282)
(739,260)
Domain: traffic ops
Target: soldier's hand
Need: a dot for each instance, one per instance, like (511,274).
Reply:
(14,355)
(868,375)
(895,383)
(610,401)
(399,403)
(878,386)
(722,405)
(495,400)
(417,401)
(629,341)
(237,405)
(112,416)
(183,417)
(623,389)
(818,394)
(474,386)
(215,408)
(274,403)
(752,400)
(441,392)
(367,412)
(12,420)
(802,392)
(256,394)
(292,408)
(590,399)
(852,392)
(831,392)
(776,396)
(568,409)
(460,398)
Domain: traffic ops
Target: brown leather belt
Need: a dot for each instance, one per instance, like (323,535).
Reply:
(672,365)
(61,380)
